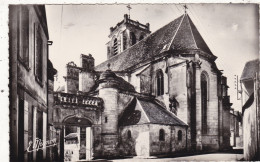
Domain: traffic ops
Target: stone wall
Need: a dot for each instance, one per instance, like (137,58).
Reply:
(250,133)
(86,81)
(175,86)
(225,145)
(139,142)
(109,120)
(211,139)
(145,141)
(72,78)
(171,144)
(177,72)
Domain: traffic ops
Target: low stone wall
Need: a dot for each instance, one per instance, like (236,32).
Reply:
(136,144)
(144,140)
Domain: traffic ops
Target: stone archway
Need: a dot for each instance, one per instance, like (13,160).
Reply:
(77,138)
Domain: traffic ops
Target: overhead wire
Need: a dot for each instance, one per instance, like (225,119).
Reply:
(61,25)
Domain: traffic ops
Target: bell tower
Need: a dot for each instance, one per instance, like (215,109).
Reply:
(126,34)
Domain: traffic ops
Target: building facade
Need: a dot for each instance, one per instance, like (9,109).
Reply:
(157,93)
(250,110)
(28,52)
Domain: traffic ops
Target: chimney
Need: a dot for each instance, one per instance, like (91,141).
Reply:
(87,62)
(148,26)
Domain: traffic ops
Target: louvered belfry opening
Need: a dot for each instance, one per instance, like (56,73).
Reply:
(115,47)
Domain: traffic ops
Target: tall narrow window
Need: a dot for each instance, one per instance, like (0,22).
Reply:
(129,135)
(204,102)
(133,38)
(161,135)
(24,36)
(115,47)
(38,54)
(159,83)
(179,135)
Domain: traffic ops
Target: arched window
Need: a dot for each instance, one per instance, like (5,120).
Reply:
(161,135)
(133,38)
(179,135)
(129,135)
(159,83)
(115,46)
(141,37)
(204,102)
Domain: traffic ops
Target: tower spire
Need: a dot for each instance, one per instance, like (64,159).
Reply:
(129,8)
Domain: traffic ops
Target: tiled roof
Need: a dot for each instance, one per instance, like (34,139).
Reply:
(148,112)
(250,69)
(180,34)
(159,115)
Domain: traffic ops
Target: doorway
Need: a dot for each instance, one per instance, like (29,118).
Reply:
(77,139)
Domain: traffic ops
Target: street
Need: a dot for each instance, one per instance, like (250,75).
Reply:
(203,157)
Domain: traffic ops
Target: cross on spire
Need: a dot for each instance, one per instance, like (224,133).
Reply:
(185,8)
(129,8)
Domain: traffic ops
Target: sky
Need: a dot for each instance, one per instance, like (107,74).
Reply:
(230,31)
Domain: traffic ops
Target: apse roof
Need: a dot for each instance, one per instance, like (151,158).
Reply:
(141,111)
(180,34)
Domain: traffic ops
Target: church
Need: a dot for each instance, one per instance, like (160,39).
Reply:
(157,93)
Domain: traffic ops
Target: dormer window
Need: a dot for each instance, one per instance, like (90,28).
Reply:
(115,46)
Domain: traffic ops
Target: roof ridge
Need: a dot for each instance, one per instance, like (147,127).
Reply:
(176,31)
(141,107)
(192,32)
(143,40)
(195,30)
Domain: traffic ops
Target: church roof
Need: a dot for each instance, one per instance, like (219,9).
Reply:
(159,115)
(250,69)
(180,34)
(115,81)
(148,112)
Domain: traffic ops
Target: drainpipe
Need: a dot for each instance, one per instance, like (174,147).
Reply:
(186,138)
(256,99)
(49,43)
